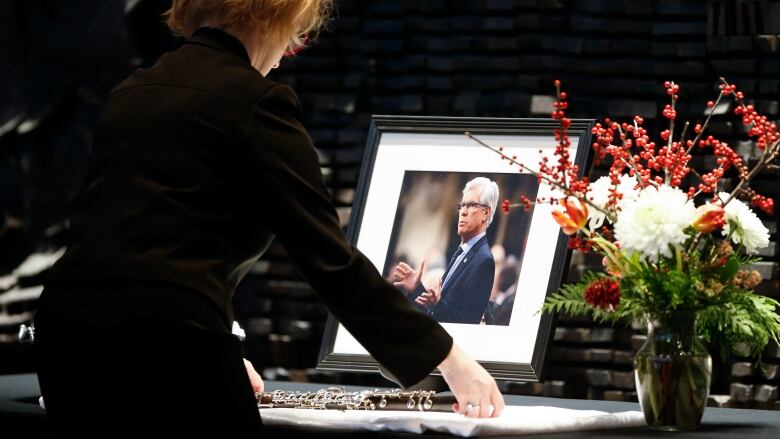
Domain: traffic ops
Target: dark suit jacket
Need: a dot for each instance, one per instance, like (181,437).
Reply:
(500,314)
(465,296)
(198,163)
(504,311)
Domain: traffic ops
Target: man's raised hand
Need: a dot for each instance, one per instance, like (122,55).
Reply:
(406,278)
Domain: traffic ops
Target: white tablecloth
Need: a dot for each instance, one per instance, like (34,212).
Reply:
(515,420)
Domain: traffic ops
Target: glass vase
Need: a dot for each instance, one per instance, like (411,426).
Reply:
(673,371)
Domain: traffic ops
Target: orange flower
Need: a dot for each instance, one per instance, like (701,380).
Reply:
(574,218)
(710,217)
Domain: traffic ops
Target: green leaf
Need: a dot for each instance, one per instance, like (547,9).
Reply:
(730,269)
(745,318)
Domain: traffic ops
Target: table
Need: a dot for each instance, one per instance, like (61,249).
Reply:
(20,414)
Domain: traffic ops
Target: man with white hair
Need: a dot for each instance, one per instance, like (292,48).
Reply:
(463,292)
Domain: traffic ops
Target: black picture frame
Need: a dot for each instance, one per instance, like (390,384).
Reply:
(454,128)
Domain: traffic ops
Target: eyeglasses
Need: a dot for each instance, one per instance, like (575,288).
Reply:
(470,205)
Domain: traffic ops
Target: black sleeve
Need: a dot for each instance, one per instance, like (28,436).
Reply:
(409,344)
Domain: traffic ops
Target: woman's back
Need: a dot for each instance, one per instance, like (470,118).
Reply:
(167,198)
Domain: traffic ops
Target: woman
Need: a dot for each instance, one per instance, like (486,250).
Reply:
(198,163)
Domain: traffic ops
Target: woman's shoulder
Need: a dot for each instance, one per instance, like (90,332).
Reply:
(206,71)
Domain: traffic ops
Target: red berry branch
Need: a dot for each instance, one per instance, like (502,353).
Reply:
(767,140)
(636,155)
(562,174)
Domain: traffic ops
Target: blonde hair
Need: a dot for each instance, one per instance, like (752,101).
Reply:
(296,21)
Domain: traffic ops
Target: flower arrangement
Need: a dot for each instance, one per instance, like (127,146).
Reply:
(664,256)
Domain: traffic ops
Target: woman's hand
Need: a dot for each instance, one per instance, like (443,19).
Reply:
(474,389)
(254,377)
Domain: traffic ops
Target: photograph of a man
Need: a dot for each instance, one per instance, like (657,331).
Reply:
(462,293)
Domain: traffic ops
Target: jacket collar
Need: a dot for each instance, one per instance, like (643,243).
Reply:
(219,40)
(466,246)
(457,270)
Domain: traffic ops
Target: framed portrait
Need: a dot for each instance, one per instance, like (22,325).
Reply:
(423,205)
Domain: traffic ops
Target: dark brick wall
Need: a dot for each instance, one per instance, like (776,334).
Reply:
(480,58)
(491,58)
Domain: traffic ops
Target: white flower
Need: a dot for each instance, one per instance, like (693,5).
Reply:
(598,194)
(656,220)
(750,231)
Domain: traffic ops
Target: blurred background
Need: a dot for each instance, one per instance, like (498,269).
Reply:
(59,59)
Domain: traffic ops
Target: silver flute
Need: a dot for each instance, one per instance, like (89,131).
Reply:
(335,398)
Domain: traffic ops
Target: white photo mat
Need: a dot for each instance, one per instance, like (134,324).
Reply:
(400,152)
